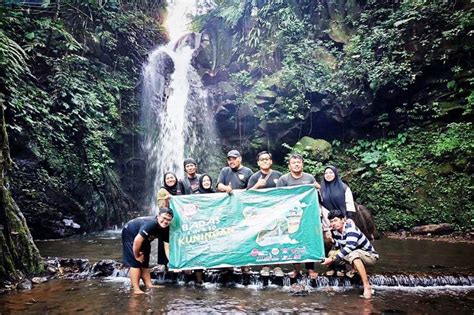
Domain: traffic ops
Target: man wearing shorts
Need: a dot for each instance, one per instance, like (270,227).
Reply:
(137,235)
(354,247)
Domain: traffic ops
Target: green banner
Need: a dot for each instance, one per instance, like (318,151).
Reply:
(248,227)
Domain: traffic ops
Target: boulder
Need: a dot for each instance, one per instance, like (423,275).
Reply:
(38,280)
(318,149)
(443,228)
(103,268)
(25,285)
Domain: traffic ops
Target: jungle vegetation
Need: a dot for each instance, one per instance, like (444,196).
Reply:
(389,83)
(69,77)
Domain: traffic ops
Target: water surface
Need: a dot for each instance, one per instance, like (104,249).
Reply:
(112,295)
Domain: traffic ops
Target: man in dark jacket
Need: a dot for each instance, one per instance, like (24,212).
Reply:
(191,177)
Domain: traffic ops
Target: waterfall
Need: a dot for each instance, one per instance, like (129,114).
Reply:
(176,115)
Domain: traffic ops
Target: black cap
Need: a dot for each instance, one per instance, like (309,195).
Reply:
(189,161)
(233,153)
(166,210)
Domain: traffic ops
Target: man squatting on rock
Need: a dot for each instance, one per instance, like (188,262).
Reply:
(354,247)
(137,235)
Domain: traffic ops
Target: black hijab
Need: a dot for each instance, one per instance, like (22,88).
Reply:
(176,188)
(333,193)
(203,190)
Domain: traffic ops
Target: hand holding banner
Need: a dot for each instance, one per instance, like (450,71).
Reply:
(249,227)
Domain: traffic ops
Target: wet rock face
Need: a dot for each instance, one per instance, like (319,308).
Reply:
(51,212)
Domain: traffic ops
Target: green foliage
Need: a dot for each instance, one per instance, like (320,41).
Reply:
(12,58)
(355,57)
(454,141)
(232,14)
(70,85)
(405,179)
(377,153)
(406,183)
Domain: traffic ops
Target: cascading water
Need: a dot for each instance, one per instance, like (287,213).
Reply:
(175,112)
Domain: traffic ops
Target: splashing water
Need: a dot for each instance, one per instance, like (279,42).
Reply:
(177,118)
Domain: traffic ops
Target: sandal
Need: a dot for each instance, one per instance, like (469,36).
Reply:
(265,272)
(293,274)
(350,274)
(278,272)
(312,274)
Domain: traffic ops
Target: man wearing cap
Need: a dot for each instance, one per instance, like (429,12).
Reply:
(137,235)
(191,178)
(266,177)
(234,176)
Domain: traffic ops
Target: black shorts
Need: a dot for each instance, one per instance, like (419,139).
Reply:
(127,249)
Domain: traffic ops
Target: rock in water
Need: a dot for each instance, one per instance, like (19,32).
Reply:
(38,280)
(25,285)
(298,289)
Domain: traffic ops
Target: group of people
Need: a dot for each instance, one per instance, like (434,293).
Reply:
(336,203)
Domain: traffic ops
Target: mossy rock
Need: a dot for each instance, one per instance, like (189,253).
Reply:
(318,149)
(445,169)
(447,107)
(420,171)
(338,31)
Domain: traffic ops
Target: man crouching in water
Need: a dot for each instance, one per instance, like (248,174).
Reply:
(354,247)
(137,235)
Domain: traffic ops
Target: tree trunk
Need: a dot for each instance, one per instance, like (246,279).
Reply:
(19,255)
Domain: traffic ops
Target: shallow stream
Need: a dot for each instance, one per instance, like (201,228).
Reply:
(112,295)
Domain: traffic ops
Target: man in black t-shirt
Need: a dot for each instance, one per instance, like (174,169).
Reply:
(266,177)
(137,235)
(191,177)
(234,176)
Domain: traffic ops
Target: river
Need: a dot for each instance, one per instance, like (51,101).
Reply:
(112,295)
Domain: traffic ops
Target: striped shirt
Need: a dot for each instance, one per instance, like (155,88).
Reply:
(351,239)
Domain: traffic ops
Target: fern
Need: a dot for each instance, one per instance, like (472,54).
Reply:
(12,57)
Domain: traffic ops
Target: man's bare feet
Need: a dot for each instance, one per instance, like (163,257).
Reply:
(138,291)
(367,293)
(154,286)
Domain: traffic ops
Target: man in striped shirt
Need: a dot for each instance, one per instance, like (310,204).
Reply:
(354,247)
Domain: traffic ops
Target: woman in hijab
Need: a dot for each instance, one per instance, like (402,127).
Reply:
(205,187)
(171,187)
(205,184)
(334,195)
